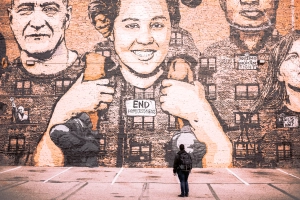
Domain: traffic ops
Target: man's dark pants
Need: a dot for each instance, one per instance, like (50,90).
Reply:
(183,178)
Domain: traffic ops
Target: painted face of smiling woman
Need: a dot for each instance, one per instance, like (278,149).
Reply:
(290,67)
(141,34)
(39,25)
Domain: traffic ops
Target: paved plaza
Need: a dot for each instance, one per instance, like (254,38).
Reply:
(23,182)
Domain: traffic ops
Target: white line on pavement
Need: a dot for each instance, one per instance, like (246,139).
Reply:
(10,169)
(56,175)
(237,176)
(117,176)
(288,173)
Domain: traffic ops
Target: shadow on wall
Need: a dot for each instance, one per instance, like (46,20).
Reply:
(3,57)
(3,65)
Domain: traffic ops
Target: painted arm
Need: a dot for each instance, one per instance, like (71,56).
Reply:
(188,102)
(86,95)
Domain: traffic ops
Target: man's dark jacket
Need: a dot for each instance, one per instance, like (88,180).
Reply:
(177,160)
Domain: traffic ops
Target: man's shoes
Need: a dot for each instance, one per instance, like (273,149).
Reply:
(181,195)
(187,194)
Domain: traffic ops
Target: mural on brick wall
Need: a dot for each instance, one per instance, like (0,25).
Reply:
(145,88)
(242,65)
(32,83)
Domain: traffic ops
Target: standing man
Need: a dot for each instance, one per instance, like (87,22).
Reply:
(183,166)
(44,71)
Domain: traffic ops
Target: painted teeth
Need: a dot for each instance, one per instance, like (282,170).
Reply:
(143,53)
(252,13)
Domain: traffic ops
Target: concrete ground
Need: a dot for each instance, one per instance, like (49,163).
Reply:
(146,183)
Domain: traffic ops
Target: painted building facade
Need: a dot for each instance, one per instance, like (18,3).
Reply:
(228,55)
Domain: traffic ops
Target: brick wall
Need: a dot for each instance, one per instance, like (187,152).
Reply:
(143,141)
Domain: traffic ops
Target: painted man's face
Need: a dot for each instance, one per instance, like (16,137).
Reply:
(250,13)
(141,34)
(21,110)
(290,68)
(39,25)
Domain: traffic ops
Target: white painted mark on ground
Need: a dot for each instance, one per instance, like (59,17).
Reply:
(10,169)
(288,173)
(118,174)
(57,175)
(237,177)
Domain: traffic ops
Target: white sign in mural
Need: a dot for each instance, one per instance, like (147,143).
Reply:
(248,61)
(290,121)
(141,108)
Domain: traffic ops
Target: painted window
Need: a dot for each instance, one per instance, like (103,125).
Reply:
(140,152)
(246,118)
(61,86)
(23,88)
(246,91)
(3,108)
(211,91)
(284,151)
(144,94)
(104,52)
(102,145)
(176,38)
(173,123)
(145,123)
(208,64)
(244,150)
(16,143)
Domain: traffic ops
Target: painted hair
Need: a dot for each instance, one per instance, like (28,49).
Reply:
(181,147)
(107,11)
(274,92)
(66,2)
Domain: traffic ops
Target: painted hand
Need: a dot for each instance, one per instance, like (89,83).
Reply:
(86,96)
(83,96)
(188,101)
(183,99)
